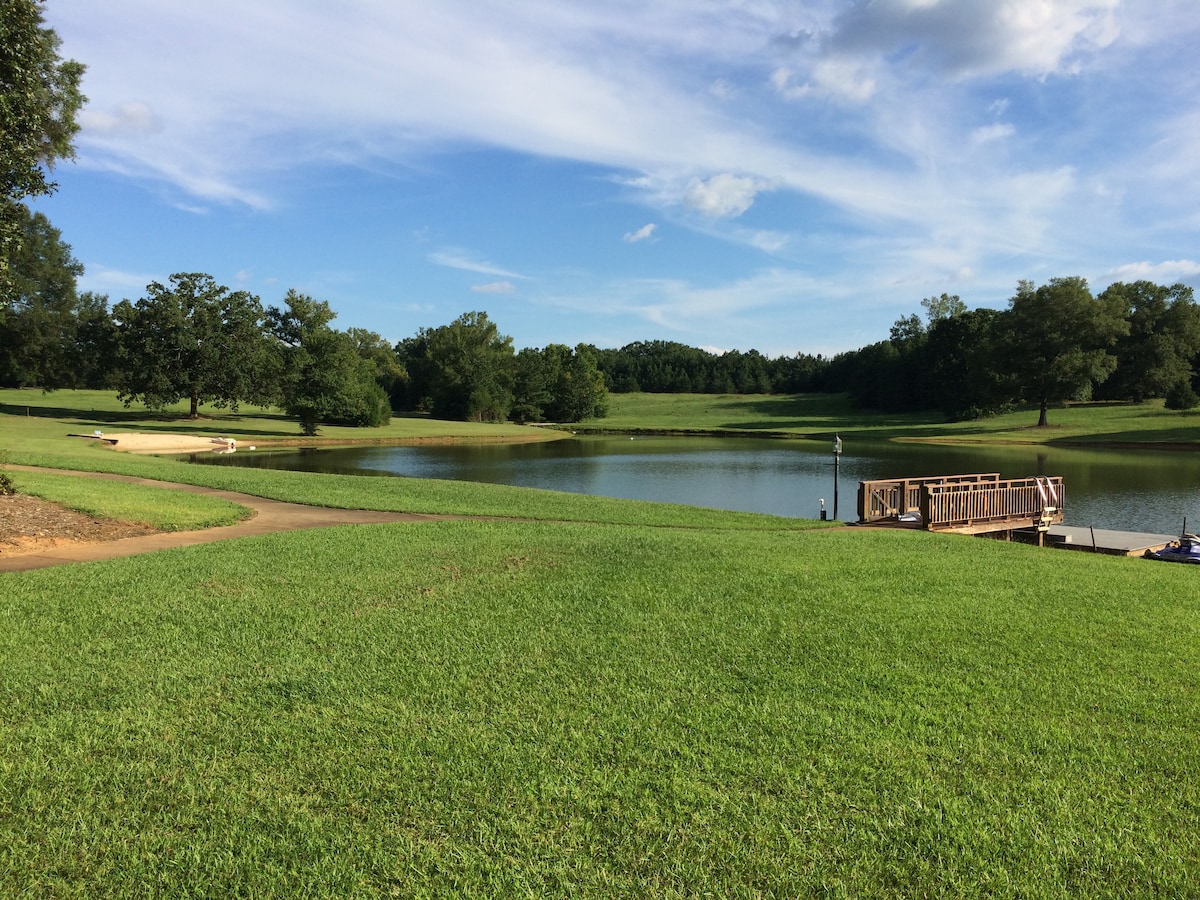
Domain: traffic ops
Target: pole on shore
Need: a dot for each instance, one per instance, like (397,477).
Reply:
(837,458)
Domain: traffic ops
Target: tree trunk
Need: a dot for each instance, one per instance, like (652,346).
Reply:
(1042,423)
(195,411)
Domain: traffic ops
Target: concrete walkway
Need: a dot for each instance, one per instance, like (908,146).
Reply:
(269,516)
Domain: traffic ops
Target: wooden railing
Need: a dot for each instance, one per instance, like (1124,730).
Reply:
(966,503)
(880,500)
(977,507)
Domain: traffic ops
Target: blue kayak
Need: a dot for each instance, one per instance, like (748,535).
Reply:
(1184,550)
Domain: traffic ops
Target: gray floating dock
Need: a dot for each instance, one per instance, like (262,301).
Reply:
(1115,543)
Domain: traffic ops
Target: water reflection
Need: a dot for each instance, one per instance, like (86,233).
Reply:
(1144,490)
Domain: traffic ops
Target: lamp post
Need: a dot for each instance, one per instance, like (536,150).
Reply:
(837,458)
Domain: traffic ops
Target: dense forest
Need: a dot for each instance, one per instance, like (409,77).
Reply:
(196,340)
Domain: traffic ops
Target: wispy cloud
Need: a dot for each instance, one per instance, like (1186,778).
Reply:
(905,143)
(460,259)
(104,280)
(988,133)
(642,234)
(495,287)
(1168,270)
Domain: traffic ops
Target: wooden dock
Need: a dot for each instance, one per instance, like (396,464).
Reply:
(1022,509)
(963,504)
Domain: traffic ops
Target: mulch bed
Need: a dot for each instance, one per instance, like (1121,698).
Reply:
(31,523)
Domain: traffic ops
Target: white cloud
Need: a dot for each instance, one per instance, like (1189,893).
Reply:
(722,89)
(878,153)
(103,280)
(128,119)
(495,287)
(460,259)
(642,234)
(722,195)
(1168,271)
(989,133)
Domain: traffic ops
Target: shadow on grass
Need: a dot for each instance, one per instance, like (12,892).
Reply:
(821,415)
(158,421)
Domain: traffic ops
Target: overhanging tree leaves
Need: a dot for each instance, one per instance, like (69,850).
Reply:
(195,340)
(38,323)
(1060,340)
(39,98)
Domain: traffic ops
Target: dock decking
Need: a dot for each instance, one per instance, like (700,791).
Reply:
(1105,540)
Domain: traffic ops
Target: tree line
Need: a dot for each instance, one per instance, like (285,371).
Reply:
(1054,343)
(198,341)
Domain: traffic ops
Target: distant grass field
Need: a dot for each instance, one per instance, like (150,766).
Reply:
(819,416)
(647,700)
(88,411)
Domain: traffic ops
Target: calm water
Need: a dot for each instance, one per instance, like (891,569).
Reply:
(1142,491)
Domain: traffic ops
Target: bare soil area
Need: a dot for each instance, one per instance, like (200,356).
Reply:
(30,524)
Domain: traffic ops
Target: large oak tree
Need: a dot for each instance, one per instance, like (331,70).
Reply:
(195,340)
(1060,340)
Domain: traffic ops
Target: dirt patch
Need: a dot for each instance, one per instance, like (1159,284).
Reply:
(30,524)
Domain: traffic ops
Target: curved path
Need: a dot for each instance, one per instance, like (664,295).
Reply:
(268,516)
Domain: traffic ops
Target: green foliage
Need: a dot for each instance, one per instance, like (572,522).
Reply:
(558,384)
(463,370)
(1158,353)
(970,378)
(1060,340)
(194,340)
(324,376)
(1181,395)
(39,98)
(946,306)
(39,322)
(671,367)
(6,483)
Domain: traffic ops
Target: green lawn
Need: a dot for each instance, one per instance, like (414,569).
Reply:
(162,508)
(508,709)
(87,411)
(819,416)
(645,701)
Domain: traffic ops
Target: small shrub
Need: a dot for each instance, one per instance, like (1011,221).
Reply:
(6,482)
(1182,396)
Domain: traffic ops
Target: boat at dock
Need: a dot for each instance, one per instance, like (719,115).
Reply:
(1184,550)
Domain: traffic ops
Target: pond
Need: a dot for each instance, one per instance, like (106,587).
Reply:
(1144,490)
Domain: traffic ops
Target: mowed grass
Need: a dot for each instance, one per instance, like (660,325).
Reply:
(524,709)
(819,416)
(647,700)
(83,412)
(158,507)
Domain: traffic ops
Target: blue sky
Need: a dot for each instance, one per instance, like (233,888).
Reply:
(730,174)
